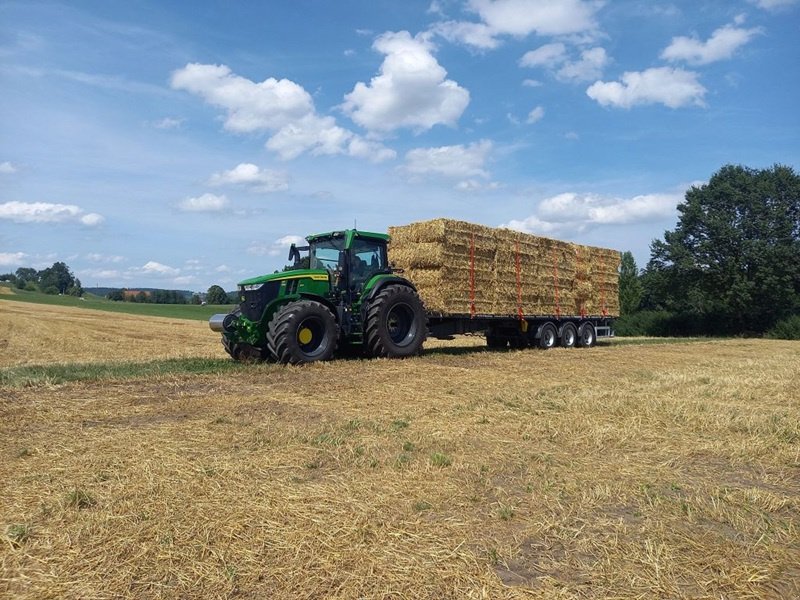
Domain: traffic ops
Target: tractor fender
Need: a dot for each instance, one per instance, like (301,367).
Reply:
(321,300)
(384,281)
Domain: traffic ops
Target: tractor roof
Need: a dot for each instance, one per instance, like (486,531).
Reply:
(348,235)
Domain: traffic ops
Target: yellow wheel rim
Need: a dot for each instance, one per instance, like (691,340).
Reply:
(304,336)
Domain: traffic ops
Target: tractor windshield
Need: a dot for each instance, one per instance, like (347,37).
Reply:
(327,254)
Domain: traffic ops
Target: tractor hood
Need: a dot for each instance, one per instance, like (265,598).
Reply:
(314,274)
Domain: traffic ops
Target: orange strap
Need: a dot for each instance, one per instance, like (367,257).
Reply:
(603,291)
(519,285)
(472,276)
(579,278)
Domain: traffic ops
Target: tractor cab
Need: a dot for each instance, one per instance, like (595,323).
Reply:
(352,257)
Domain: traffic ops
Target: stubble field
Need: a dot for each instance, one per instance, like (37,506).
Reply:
(623,471)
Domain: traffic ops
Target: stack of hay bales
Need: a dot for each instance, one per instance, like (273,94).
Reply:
(462,269)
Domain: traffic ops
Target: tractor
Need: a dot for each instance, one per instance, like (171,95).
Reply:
(342,295)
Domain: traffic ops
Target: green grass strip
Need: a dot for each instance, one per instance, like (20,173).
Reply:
(36,375)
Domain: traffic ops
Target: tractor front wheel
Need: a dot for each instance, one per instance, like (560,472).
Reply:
(302,332)
(395,325)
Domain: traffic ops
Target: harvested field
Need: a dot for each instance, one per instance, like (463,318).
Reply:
(630,471)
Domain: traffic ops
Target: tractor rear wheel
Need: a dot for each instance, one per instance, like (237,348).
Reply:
(302,332)
(395,324)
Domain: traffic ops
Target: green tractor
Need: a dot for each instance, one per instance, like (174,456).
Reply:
(343,294)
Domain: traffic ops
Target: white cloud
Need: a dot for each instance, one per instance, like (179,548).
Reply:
(6,168)
(205,203)
(46,212)
(478,35)
(92,219)
(532,83)
(410,91)
(8,259)
(720,46)
(104,258)
(773,4)
(570,212)
(663,85)
(537,114)
(543,17)
(589,66)
(279,107)
(549,55)
(277,248)
(450,161)
(168,123)
(473,185)
(156,268)
(251,176)
(556,59)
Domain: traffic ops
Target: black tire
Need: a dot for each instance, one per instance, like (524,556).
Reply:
(302,332)
(548,336)
(395,323)
(587,336)
(569,336)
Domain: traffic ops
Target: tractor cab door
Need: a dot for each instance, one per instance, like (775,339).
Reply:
(367,257)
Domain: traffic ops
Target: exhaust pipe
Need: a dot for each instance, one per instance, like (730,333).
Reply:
(222,323)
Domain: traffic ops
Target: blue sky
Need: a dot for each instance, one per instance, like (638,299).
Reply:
(180,145)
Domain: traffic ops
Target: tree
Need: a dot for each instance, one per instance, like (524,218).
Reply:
(216,295)
(56,279)
(734,257)
(26,275)
(630,288)
(116,295)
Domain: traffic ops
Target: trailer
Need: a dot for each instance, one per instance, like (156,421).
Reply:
(356,290)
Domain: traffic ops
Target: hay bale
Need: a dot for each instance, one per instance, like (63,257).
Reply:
(461,268)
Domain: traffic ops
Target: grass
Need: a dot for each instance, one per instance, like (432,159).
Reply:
(626,471)
(173,311)
(37,375)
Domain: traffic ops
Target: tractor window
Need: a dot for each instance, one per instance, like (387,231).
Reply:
(326,254)
(367,258)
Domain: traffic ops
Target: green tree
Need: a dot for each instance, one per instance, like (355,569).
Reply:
(25,276)
(116,295)
(630,288)
(56,279)
(734,257)
(216,295)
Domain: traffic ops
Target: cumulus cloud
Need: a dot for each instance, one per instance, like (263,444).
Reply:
(663,85)
(8,259)
(281,108)
(570,212)
(555,58)
(6,168)
(520,18)
(720,46)
(277,248)
(450,161)
(96,257)
(205,203)
(46,212)
(410,91)
(253,177)
(168,123)
(158,269)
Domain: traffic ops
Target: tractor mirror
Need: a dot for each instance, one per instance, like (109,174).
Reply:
(294,254)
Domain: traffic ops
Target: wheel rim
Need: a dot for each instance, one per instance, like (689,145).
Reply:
(549,337)
(401,324)
(569,338)
(588,336)
(311,337)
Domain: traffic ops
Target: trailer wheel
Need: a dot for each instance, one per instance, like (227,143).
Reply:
(586,335)
(548,336)
(569,336)
(302,332)
(395,323)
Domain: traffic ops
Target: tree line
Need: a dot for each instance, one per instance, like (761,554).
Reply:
(731,266)
(57,279)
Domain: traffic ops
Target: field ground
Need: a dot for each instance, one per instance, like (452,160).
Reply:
(624,471)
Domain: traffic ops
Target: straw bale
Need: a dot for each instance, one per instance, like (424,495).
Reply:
(504,271)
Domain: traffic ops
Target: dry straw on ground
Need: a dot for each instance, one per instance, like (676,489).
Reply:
(464,268)
(630,471)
